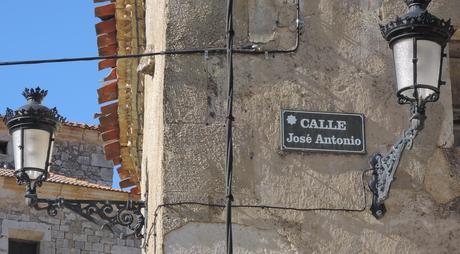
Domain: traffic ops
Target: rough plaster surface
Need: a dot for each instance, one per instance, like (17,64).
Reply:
(212,237)
(342,65)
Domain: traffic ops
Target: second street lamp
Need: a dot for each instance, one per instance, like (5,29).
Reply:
(418,40)
(33,128)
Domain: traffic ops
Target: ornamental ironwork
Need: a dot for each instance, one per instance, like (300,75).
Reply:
(122,218)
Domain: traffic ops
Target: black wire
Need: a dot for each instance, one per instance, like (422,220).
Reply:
(153,232)
(255,51)
(93,58)
(230,119)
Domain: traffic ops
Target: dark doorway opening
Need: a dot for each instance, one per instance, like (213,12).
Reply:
(23,247)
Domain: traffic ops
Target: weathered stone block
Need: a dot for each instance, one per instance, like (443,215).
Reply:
(129,242)
(80,237)
(68,236)
(64,228)
(98,160)
(107,248)
(84,160)
(79,244)
(57,234)
(88,246)
(94,239)
(98,247)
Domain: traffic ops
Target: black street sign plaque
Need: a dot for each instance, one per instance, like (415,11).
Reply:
(322,131)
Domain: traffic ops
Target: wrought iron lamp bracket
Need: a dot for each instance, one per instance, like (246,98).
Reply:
(122,218)
(384,167)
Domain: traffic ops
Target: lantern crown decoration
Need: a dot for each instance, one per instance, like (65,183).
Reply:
(418,22)
(35,95)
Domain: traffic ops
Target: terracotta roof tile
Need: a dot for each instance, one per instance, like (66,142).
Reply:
(123,173)
(112,75)
(107,63)
(105,11)
(112,150)
(128,182)
(82,125)
(55,178)
(111,135)
(135,190)
(107,120)
(107,26)
(108,92)
(109,109)
(113,126)
(117,161)
(105,40)
(108,51)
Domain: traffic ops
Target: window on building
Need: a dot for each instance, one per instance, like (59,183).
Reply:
(3,147)
(16,246)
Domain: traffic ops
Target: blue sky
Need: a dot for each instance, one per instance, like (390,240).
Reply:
(51,29)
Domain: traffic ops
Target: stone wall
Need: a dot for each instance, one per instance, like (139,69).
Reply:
(65,233)
(82,161)
(342,65)
(77,153)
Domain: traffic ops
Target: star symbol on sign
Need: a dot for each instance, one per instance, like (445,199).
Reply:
(291,120)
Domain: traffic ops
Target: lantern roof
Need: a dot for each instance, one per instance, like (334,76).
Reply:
(423,3)
(418,23)
(33,113)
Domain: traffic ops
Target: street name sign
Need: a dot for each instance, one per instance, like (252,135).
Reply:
(322,131)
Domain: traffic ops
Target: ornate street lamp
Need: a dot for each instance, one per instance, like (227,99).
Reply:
(33,127)
(418,40)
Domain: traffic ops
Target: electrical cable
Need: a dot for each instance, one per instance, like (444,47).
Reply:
(254,49)
(230,119)
(93,58)
(153,232)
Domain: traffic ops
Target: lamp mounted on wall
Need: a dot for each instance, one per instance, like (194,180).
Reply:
(33,128)
(418,40)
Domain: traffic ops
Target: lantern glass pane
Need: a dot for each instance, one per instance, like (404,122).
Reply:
(36,144)
(428,66)
(16,136)
(403,52)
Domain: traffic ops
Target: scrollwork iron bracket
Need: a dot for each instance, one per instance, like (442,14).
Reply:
(122,218)
(384,167)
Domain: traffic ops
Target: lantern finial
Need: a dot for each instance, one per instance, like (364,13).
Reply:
(422,3)
(35,95)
